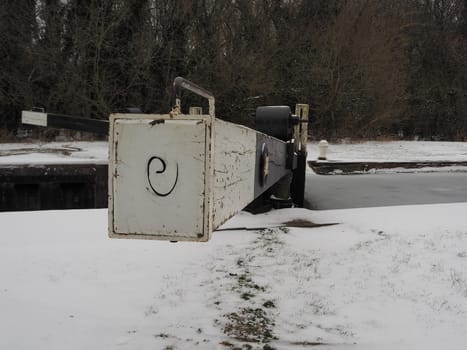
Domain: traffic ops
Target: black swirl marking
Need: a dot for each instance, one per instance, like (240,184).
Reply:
(164,166)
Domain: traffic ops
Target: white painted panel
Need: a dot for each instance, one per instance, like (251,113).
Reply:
(177,177)
(34,118)
(158,178)
(234,169)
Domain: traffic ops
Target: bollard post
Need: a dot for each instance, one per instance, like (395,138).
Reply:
(323,149)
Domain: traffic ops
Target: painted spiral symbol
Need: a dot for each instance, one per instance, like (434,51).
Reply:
(164,166)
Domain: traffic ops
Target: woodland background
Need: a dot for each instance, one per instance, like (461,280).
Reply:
(368,68)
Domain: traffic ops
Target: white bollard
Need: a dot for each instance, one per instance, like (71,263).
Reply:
(323,149)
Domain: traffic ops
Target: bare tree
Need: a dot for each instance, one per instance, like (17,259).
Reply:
(17,26)
(367,68)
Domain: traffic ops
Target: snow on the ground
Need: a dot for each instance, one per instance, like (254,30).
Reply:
(381,278)
(393,277)
(97,152)
(54,153)
(400,170)
(392,151)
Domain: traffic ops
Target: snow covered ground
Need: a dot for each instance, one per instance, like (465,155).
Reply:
(54,153)
(393,277)
(379,278)
(400,151)
(392,151)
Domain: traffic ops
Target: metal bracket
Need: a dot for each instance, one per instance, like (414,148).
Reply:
(182,83)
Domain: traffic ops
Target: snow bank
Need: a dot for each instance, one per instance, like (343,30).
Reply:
(54,153)
(391,277)
(397,151)
(393,151)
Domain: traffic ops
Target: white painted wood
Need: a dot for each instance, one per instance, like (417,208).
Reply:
(216,175)
(234,169)
(148,200)
(34,118)
(301,129)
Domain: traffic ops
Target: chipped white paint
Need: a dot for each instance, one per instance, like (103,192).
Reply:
(234,169)
(157,177)
(301,129)
(34,118)
(177,177)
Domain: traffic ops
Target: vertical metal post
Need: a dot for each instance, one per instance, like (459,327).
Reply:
(301,129)
(297,187)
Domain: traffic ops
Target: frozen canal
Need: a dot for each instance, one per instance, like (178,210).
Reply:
(360,191)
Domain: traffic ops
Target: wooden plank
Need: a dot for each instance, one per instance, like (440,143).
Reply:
(234,169)
(158,183)
(65,122)
(179,177)
(34,118)
(77,123)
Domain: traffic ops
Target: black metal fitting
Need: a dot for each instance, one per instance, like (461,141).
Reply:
(275,121)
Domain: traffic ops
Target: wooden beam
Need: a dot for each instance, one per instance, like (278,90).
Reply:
(65,122)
